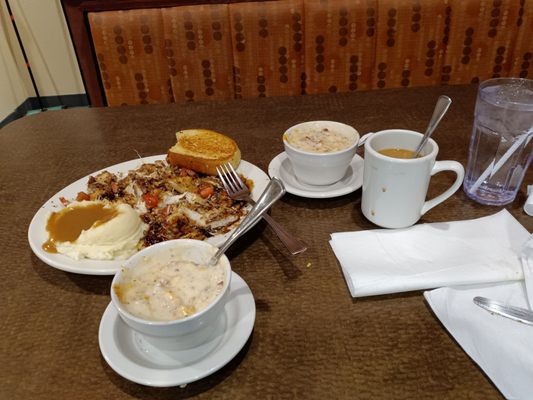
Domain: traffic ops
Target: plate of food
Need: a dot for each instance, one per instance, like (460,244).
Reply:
(94,224)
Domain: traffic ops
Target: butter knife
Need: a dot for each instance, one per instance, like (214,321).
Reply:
(515,313)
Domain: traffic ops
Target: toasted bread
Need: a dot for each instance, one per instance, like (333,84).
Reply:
(203,150)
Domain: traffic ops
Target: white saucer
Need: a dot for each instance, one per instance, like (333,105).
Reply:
(132,357)
(281,167)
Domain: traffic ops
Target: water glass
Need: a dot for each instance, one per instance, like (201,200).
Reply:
(501,148)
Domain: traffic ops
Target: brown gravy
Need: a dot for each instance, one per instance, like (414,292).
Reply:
(397,153)
(67,224)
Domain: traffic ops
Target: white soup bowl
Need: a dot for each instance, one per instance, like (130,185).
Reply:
(187,332)
(320,168)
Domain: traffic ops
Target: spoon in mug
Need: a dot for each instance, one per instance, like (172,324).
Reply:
(364,138)
(443,103)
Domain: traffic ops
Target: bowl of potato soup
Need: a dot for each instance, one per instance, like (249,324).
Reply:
(170,294)
(320,151)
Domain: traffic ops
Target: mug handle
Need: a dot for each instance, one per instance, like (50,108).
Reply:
(445,166)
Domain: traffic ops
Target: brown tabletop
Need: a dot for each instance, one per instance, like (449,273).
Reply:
(311,339)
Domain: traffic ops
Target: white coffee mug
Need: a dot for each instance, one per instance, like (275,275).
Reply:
(394,189)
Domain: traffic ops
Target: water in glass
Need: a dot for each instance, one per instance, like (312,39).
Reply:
(501,148)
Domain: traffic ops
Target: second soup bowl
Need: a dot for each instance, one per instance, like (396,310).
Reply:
(320,151)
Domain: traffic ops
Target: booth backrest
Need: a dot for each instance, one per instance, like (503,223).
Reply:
(194,52)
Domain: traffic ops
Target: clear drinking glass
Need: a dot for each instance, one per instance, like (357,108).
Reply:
(501,148)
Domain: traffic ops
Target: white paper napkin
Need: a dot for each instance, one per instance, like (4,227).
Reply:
(501,347)
(427,256)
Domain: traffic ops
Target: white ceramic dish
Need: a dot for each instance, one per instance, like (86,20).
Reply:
(320,151)
(136,360)
(37,234)
(281,167)
(186,332)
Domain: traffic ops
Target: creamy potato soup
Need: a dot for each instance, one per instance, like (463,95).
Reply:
(170,289)
(319,139)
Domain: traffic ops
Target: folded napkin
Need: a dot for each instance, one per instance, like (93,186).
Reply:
(427,256)
(501,347)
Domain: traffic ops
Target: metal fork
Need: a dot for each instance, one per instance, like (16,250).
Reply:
(238,190)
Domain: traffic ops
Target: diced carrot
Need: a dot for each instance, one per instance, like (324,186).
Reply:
(206,190)
(82,196)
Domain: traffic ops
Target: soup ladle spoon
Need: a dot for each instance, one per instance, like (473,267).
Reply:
(443,103)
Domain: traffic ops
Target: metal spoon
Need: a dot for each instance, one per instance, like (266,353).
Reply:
(364,138)
(443,103)
(272,193)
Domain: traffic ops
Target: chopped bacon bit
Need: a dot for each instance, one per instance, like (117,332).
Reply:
(187,172)
(64,201)
(165,211)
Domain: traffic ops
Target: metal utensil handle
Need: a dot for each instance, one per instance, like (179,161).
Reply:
(515,313)
(293,244)
(273,192)
(443,103)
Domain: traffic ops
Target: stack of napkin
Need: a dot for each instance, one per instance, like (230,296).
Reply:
(490,257)
(503,348)
(427,256)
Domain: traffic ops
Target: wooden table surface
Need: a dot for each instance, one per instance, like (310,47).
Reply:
(311,339)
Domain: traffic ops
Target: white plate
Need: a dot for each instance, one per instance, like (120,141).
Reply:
(281,167)
(37,234)
(134,359)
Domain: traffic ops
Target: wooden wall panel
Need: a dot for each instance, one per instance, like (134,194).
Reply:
(340,38)
(410,43)
(481,40)
(267,48)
